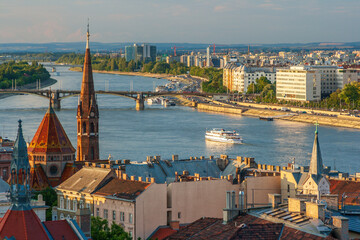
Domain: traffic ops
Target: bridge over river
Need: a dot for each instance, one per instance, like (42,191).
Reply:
(57,95)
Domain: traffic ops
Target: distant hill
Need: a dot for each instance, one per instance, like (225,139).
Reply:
(115,47)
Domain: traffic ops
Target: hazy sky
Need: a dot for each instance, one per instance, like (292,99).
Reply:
(195,21)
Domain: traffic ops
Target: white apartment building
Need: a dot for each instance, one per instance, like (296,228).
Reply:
(333,77)
(238,78)
(299,83)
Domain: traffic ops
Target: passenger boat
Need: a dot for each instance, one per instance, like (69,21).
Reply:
(266,118)
(221,135)
(151,101)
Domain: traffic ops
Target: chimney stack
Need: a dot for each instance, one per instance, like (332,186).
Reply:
(83,219)
(341,225)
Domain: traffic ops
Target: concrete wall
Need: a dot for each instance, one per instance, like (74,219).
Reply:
(288,185)
(150,210)
(193,200)
(257,189)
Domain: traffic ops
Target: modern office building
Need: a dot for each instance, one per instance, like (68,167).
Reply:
(299,83)
(144,53)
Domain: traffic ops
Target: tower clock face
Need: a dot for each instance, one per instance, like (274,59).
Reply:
(92,114)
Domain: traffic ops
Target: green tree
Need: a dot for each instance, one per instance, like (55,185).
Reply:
(351,93)
(100,230)
(50,198)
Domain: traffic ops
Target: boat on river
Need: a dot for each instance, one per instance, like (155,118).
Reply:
(221,135)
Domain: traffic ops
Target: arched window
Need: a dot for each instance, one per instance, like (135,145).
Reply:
(84,127)
(92,128)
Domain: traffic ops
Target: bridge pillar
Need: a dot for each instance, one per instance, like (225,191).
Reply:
(140,102)
(55,100)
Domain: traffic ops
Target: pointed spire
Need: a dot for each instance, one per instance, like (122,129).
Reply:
(316,163)
(87,35)
(20,173)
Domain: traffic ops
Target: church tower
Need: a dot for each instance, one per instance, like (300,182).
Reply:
(87,114)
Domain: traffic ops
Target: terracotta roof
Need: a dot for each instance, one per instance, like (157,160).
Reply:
(243,227)
(123,188)
(162,233)
(50,136)
(88,179)
(38,179)
(345,186)
(22,224)
(60,230)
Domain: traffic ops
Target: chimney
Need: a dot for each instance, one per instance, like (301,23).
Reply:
(147,179)
(274,199)
(175,225)
(341,225)
(175,157)
(152,180)
(230,211)
(296,205)
(132,178)
(124,176)
(241,201)
(315,210)
(83,219)
(140,179)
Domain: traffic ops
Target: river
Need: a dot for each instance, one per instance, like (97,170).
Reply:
(129,134)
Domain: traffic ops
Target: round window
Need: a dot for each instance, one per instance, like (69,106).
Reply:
(53,169)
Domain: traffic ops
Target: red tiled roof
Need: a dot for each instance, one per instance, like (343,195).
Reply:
(22,225)
(60,230)
(38,179)
(162,233)
(50,136)
(345,186)
(123,188)
(243,227)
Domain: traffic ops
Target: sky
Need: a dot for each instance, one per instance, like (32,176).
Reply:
(192,21)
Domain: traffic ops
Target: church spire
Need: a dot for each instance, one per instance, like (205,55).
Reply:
(316,163)
(20,173)
(87,35)
(87,113)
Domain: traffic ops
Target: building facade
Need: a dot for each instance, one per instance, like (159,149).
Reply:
(145,53)
(299,83)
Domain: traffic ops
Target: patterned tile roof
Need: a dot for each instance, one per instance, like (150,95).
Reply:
(60,230)
(348,187)
(50,136)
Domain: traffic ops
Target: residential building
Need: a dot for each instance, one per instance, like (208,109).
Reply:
(299,83)
(76,192)
(5,160)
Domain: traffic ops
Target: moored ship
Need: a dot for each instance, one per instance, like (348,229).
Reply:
(221,135)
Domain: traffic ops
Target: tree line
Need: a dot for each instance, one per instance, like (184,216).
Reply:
(22,72)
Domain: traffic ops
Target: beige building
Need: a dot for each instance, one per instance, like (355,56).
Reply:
(76,192)
(298,83)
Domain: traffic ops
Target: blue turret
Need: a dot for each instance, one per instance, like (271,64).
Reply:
(20,174)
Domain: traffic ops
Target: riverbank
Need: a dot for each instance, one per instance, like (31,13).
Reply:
(142,74)
(334,121)
(44,84)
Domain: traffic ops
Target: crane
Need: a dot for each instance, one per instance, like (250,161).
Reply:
(175,47)
(215,46)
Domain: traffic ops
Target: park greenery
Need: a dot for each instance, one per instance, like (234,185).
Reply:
(100,230)
(214,76)
(23,72)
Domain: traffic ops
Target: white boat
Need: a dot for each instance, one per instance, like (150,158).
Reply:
(151,101)
(221,135)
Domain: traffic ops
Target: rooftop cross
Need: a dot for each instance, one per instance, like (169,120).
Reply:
(316,124)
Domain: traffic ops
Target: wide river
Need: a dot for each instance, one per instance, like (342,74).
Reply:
(129,134)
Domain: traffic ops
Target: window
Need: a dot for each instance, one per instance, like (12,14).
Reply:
(130,218)
(75,205)
(68,204)
(88,205)
(84,128)
(97,212)
(81,204)
(122,216)
(114,215)
(105,213)
(92,128)
(288,188)
(179,214)
(62,202)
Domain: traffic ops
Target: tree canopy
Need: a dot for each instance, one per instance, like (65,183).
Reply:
(100,230)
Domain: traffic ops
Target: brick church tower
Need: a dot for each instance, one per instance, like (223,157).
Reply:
(87,114)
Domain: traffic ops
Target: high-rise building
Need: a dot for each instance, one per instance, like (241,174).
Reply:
(208,56)
(299,83)
(87,114)
(144,53)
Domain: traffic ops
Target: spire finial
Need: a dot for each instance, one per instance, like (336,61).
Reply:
(87,35)
(316,124)
(19,121)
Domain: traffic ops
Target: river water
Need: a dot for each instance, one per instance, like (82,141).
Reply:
(129,134)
